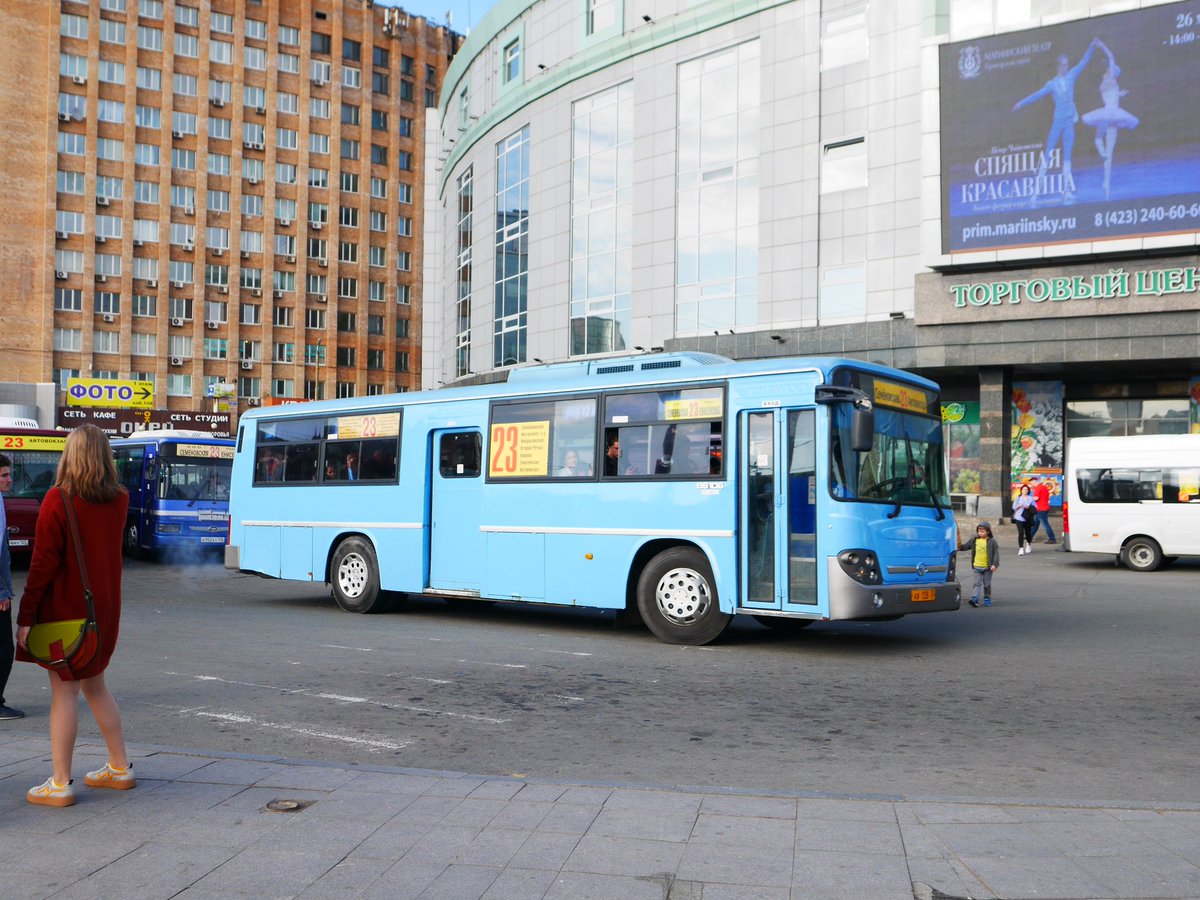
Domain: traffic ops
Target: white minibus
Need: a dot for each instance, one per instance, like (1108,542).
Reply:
(1135,496)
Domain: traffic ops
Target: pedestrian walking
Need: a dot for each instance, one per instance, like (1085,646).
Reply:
(87,480)
(1024,512)
(1041,496)
(6,595)
(985,560)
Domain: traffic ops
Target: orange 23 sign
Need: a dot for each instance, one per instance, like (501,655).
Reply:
(519,450)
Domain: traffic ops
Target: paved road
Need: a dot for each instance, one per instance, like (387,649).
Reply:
(1079,684)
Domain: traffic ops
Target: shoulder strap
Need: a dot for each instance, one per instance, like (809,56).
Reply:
(78,545)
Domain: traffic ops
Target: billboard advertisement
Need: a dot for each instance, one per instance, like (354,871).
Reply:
(1081,131)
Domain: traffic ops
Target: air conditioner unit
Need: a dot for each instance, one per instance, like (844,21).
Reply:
(108,317)
(177,322)
(177,134)
(211,324)
(284,223)
(64,117)
(101,278)
(152,283)
(249,145)
(252,401)
(139,243)
(247,364)
(217,102)
(101,239)
(223,289)
(321,298)
(290,259)
(245,254)
(102,200)
(258,145)
(79,79)
(278,295)
(189,247)
(318,81)
(317,226)
(261,110)
(177,360)
(60,275)
(189,210)
(257,292)
(218,251)
(252,180)
(61,235)
(323,263)
(179,285)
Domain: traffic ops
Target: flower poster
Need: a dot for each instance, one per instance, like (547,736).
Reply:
(1037,433)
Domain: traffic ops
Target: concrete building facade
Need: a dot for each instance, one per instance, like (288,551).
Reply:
(764,179)
(224,192)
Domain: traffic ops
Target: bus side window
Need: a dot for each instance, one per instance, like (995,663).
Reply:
(460,455)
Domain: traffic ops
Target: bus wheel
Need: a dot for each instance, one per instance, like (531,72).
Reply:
(130,542)
(678,600)
(1142,554)
(783,624)
(355,578)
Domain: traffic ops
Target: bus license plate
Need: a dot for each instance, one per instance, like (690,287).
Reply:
(923,595)
(20,542)
(221,540)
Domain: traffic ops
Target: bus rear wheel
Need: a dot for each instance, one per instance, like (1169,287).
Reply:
(678,600)
(354,578)
(1142,554)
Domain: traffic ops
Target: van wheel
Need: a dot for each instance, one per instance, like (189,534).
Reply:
(354,578)
(678,599)
(1142,554)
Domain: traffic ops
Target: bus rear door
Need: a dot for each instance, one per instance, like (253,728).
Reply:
(778,512)
(456,550)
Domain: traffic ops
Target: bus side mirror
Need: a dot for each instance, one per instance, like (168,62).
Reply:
(151,469)
(862,430)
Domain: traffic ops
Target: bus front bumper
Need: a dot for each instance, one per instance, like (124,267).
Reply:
(848,599)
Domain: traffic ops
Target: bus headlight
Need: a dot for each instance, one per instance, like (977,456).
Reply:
(952,567)
(861,565)
(168,528)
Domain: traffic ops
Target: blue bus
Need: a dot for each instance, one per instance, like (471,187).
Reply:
(178,484)
(681,486)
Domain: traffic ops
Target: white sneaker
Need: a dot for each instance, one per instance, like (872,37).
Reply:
(1020,551)
(49,793)
(1028,547)
(109,777)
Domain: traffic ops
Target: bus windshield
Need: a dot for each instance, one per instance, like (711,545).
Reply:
(33,473)
(200,479)
(904,467)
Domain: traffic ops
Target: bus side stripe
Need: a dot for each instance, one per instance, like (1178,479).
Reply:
(656,532)
(355,525)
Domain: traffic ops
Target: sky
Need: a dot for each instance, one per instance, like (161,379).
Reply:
(466,14)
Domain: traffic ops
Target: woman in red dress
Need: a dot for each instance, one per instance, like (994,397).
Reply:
(54,591)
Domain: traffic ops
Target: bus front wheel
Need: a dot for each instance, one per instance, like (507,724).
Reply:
(355,578)
(130,544)
(677,598)
(1142,554)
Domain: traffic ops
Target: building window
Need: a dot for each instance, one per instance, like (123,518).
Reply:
(187,45)
(106,342)
(601,222)
(347,356)
(256,30)
(512,61)
(601,16)
(351,77)
(68,340)
(380,83)
(716,250)
(148,38)
(73,26)
(149,79)
(510,324)
(112,32)
(68,299)
(187,15)
(179,385)
(844,166)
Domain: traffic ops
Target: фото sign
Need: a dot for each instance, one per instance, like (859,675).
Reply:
(1079,131)
(110,393)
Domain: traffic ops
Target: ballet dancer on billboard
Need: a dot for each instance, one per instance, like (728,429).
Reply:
(1062,127)
(1109,118)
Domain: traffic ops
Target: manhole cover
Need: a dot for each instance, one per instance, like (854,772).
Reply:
(287,806)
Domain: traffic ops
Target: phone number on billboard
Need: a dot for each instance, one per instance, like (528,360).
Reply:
(1140,215)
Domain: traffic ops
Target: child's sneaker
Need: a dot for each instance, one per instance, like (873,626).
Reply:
(111,777)
(973,602)
(987,601)
(50,793)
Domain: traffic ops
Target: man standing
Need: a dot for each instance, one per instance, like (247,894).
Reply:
(6,594)
(1041,496)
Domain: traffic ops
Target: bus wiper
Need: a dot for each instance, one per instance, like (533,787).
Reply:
(895,512)
(932,496)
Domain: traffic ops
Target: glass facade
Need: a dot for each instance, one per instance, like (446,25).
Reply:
(511,323)
(602,221)
(462,328)
(716,250)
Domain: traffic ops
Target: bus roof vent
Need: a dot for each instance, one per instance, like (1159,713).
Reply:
(610,370)
(663,364)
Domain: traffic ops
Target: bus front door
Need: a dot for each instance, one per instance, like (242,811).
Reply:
(456,550)
(778,515)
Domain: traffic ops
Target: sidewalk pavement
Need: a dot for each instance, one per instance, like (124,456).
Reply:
(198,825)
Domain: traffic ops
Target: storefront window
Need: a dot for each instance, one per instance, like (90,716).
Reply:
(961,421)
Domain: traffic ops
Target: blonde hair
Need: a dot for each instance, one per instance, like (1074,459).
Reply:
(87,469)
